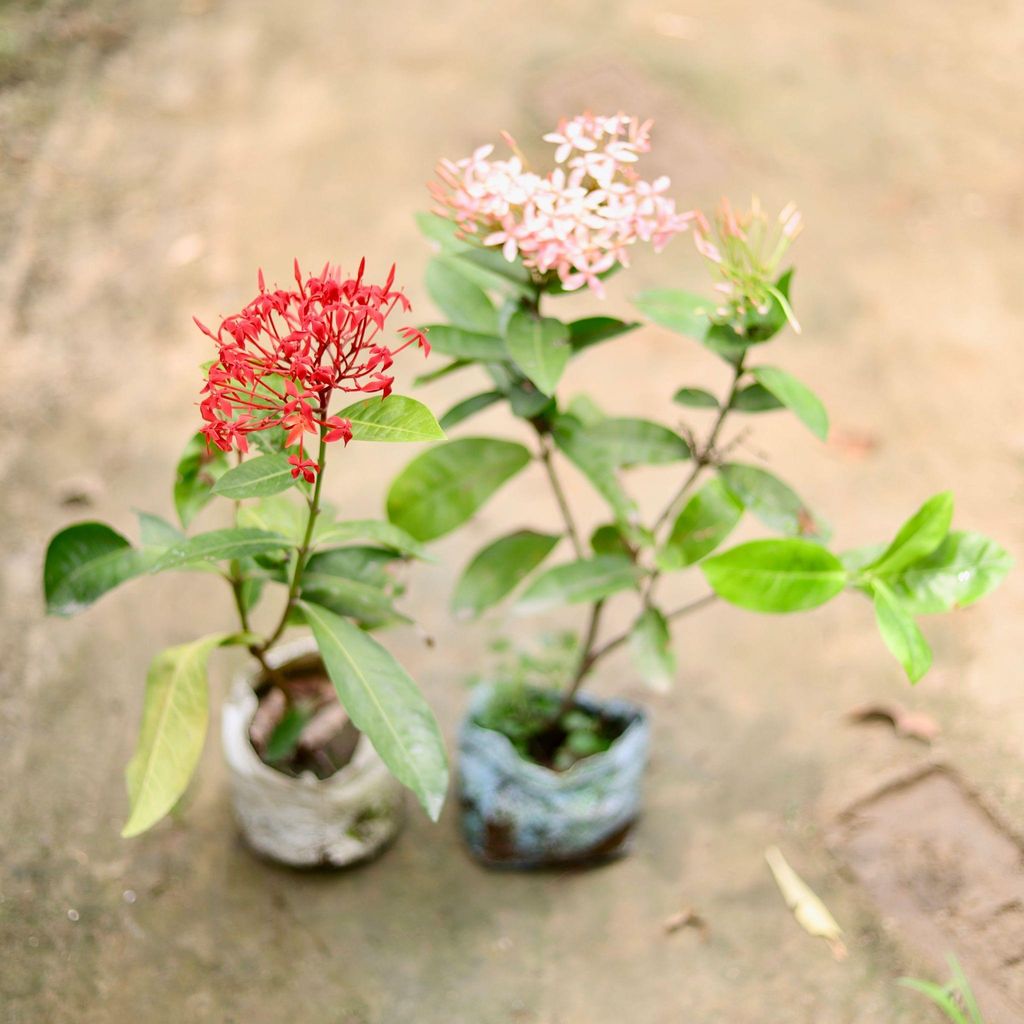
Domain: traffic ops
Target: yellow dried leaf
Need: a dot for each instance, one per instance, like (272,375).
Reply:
(811,914)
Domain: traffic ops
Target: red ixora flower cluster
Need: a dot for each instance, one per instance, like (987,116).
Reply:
(284,355)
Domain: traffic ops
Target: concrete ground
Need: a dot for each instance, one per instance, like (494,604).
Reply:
(160,152)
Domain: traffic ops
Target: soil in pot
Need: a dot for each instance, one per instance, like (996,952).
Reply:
(541,732)
(308,731)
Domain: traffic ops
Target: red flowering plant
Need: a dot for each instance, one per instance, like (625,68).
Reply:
(267,400)
(511,241)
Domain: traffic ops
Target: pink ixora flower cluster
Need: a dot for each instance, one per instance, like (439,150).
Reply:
(578,219)
(283,356)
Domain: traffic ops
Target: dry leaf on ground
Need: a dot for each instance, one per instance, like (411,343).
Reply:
(811,914)
(915,724)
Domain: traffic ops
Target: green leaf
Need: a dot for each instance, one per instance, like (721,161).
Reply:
(797,397)
(695,398)
(463,344)
(83,562)
(449,368)
(650,643)
(570,436)
(761,327)
(540,348)
(585,580)
(276,514)
(469,407)
(608,540)
(217,545)
(726,343)
(441,230)
(368,603)
(385,704)
(395,418)
(156,532)
(256,478)
(197,471)
(361,562)
(705,521)
(900,633)
(326,534)
(677,310)
(775,575)
(462,301)
(174,717)
(592,330)
(495,571)
(776,504)
(755,398)
(285,737)
(586,410)
(442,488)
(961,570)
(633,442)
(920,535)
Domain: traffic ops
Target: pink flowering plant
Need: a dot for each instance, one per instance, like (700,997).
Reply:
(512,240)
(269,427)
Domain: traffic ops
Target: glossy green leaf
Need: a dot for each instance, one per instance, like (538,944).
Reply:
(755,398)
(462,344)
(497,570)
(585,580)
(395,418)
(776,504)
(695,398)
(677,310)
(586,410)
(705,521)
(920,535)
(174,717)
(219,545)
(775,575)
(900,633)
(361,562)
(371,605)
(796,396)
(442,488)
(196,473)
(570,436)
(463,302)
(385,704)
(592,330)
(83,562)
(277,514)
(156,532)
(328,534)
(961,570)
(540,348)
(449,368)
(608,540)
(626,441)
(256,478)
(650,645)
(469,407)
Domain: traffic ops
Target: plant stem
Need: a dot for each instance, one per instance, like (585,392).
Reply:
(302,554)
(559,493)
(596,655)
(705,456)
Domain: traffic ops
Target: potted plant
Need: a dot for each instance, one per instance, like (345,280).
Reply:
(550,775)
(318,730)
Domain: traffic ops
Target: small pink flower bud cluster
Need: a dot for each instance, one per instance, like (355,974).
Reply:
(580,218)
(746,250)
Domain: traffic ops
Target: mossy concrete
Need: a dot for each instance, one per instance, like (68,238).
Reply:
(151,178)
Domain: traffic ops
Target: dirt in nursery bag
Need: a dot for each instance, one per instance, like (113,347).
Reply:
(307,732)
(949,876)
(542,733)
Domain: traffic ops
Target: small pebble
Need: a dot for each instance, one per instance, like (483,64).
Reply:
(129,896)
(73,914)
